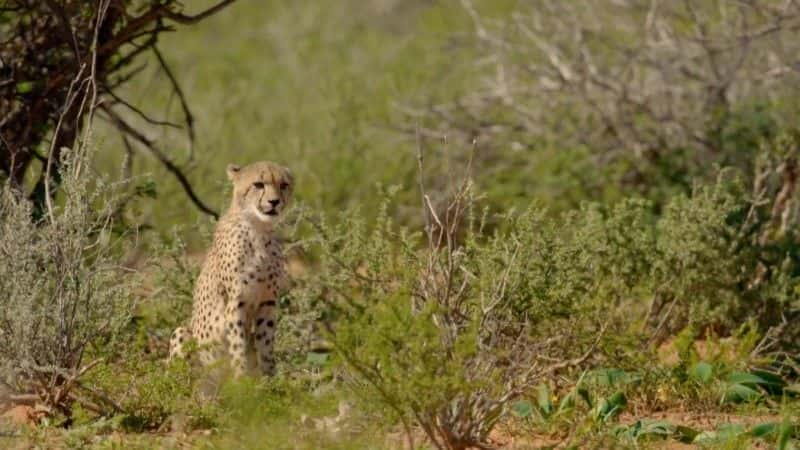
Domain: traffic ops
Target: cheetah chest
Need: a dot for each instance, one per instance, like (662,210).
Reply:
(263,275)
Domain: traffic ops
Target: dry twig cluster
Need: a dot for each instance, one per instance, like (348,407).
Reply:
(61,59)
(633,78)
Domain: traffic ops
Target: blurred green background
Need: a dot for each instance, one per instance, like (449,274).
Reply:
(314,85)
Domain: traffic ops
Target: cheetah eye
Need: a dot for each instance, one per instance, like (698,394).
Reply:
(258,185)
(284,186)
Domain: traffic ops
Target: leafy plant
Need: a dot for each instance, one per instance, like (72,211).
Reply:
(751,386)
(643,430)
(448,330)
(701,372)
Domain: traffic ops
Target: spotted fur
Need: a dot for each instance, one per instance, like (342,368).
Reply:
(235,309)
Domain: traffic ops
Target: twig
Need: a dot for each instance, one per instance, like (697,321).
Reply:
(664,317)
(421,181)
(71,96)
(24,398)
(116,406)
(92,98)
(189,19)
(94,37)
(162,158)
(176,86)
(141,113)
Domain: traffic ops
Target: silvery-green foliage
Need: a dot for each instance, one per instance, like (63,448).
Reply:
(61,290)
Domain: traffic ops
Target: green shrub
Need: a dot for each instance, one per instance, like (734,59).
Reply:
(63,290)
(447,327)
(148,393)
(729,253)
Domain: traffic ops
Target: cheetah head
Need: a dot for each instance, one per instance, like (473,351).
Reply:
(261,191)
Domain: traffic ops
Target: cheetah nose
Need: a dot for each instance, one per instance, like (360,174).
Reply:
(275,202)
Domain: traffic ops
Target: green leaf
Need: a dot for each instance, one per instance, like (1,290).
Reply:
(730,430)
(586,396)
(743,386)
(618,399)
(317,359)
(147,189)
(769,377)
(606,409)
(543,400)
(701,372)
(601,409)
(522,408)
(773,383)
(617,402)
(738,393)
(685,434)
(764,429)
(705,437)
(567,403)
(745,378)
(659,428)
(645,428)
(24,87)
(784,434)
(631,431)
(613,376)
(724,433)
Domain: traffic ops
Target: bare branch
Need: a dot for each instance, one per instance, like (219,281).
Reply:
(87,39)
(140,113)
(161,157)
(187,113)
(192,19)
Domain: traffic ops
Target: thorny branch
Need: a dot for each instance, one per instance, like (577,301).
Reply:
(62,58)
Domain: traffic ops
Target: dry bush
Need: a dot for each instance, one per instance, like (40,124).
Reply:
(64,296)
(655,90)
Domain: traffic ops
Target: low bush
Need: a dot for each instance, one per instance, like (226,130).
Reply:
(64,293)
(447,327)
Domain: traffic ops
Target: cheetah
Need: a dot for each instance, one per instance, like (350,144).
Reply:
(235,297)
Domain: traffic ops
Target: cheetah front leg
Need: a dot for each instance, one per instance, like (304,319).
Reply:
(176,343)
(264,336)
(235,320)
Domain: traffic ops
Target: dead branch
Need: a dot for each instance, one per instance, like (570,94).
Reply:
(137,136)
(176,88)
(52,44)
(635,79)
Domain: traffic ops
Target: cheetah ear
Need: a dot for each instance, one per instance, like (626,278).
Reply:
(288,174)
(233,170)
